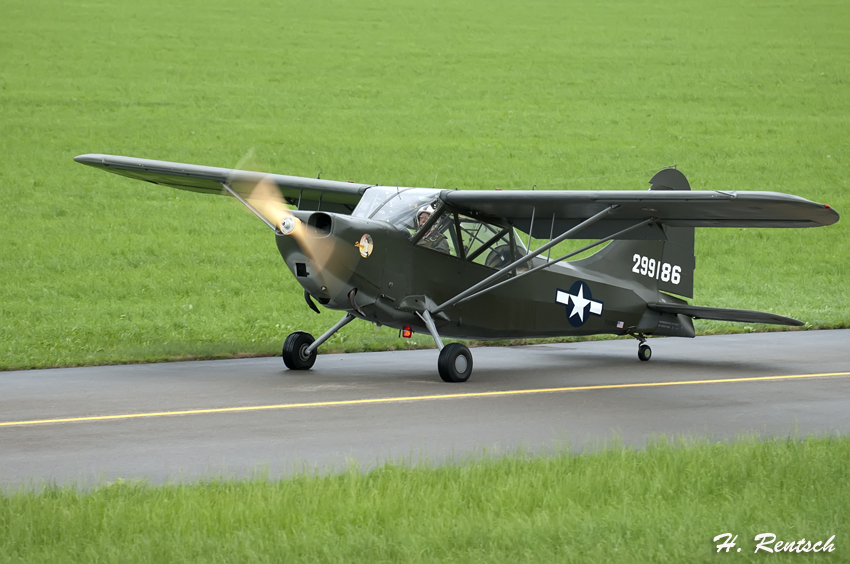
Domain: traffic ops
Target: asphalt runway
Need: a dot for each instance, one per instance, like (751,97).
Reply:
(236,418)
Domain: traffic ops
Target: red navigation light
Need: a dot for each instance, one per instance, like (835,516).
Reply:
(827,206)
(406,332)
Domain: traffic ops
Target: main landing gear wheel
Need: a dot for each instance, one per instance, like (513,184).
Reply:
(455,363)
(644,352)
(295,355)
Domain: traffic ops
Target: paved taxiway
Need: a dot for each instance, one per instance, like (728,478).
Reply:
(266,432)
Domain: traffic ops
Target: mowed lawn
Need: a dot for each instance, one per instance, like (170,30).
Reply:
(665,503)
(100,269)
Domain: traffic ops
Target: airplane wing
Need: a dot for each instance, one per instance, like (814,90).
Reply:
(555,211)
(305,193)
(725,314)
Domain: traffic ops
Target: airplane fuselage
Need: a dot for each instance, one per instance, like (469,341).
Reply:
(397,278)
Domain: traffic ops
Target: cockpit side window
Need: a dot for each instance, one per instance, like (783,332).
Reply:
(436,229)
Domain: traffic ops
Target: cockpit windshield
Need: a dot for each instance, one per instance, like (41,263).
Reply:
(394,205)
(411,210)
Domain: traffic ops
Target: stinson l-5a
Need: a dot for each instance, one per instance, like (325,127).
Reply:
(453,264)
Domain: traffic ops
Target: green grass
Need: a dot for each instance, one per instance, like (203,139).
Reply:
(99,269)
(664,503)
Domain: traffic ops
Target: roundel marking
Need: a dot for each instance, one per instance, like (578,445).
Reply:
(579,303)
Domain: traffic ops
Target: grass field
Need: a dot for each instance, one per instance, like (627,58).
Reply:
(663,504)
(99,269)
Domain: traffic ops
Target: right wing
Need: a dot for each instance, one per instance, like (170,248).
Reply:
(305,193)
(556,211)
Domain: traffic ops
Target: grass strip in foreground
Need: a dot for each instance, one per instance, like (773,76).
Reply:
(665,503)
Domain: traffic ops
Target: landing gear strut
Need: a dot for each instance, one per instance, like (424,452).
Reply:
(299,348)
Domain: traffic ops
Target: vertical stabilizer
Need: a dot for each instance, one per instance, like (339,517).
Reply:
(679,247)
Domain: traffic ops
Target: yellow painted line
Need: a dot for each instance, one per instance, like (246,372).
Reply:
(415,398)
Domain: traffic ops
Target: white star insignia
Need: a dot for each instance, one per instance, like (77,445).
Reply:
(579,303)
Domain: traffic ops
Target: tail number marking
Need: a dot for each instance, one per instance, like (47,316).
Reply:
(652,268)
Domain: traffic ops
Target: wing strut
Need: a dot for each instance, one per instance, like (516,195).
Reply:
(559,259)
(254,210)
(465,295)
(551,233)
(530,230)
(432,328)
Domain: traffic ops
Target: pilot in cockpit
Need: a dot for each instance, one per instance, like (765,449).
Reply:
(433,239)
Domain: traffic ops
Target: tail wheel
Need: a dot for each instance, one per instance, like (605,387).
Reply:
(644,352)
(294,353)
(455,363)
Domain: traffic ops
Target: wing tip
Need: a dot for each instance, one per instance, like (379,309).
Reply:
(89,158)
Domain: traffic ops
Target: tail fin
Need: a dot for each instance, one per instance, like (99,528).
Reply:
(665,264)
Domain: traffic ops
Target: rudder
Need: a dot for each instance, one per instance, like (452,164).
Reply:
(679,247)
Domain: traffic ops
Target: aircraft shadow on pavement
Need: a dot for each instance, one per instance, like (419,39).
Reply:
(544,367)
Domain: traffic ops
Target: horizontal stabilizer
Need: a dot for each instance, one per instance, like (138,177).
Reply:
(725,314)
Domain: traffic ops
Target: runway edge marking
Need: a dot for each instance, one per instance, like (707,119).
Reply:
(414,398)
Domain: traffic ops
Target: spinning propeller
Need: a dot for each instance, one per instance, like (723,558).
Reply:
(263,198)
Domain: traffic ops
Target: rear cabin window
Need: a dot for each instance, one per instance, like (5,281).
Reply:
(483,243)
(470,239)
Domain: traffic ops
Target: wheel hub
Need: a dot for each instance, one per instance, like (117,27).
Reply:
(302,352)
(461,364)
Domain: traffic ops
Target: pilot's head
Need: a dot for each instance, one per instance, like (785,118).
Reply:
(424,214)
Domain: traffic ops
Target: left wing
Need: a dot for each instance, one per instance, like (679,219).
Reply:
(305,193)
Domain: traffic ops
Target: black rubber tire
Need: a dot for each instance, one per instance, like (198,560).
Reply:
(455,363)
(644,352)
(293,351)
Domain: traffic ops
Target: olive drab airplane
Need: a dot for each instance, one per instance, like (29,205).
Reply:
(453,264)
